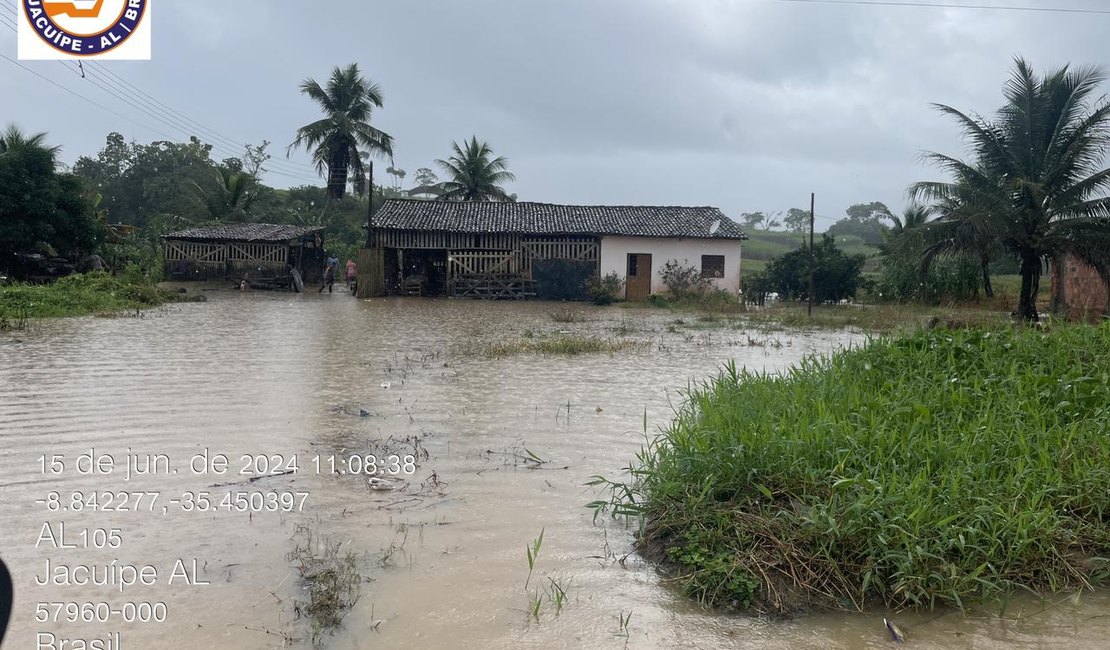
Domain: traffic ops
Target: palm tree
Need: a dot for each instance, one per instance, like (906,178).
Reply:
(914,216)
(13,137)
(231,195)
(334,141)
(474,175)
(1037,186)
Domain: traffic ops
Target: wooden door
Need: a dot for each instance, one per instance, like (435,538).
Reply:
(637,286)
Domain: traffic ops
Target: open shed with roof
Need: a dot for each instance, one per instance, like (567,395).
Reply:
(235,251)
(524,249)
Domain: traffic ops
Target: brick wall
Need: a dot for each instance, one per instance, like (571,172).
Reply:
(1085,294)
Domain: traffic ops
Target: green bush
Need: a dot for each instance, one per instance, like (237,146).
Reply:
(133,251)
(605,288)
(941,469)
(950,280)
(683,280)
(835,276)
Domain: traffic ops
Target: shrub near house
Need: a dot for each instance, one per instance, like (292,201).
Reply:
(836,275)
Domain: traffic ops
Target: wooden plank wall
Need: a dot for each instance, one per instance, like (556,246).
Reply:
(371,272)
(409,239)
(219,259)
(482,263)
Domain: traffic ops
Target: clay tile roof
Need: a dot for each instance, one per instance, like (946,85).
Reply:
(552,219)
(271,232)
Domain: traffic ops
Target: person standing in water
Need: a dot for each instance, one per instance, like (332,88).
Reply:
(329,278)
(352,272)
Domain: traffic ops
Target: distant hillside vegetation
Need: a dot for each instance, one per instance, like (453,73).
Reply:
(765,245)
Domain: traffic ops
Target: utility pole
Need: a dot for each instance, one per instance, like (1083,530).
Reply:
(809,305)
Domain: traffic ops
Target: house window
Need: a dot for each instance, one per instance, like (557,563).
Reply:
(712,266)
(632,259)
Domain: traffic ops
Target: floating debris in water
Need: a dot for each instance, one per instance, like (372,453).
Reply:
(363,413)
(376,483)
(385,384)
(897,635)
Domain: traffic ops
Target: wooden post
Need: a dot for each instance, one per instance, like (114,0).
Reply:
(809,305)
(370,207)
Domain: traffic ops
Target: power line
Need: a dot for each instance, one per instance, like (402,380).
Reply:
(950,5)
(123,85)
(80,96)
(102,81)
(300,177)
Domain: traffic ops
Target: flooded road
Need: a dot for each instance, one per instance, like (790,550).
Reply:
(490,451)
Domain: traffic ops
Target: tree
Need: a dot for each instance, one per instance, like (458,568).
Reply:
(347,103)
(253,159)
(428,185)
(424,176)
(914,216)
(875,211)
(474,175)
(398,175)
(863,220)
(797,221)
(903,276)
(40,209)
(836,275)
(752,219)
(143,184)
(1036,186)
(13,139)
(231,195)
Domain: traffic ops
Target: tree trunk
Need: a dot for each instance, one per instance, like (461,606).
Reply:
(1030,276)
(985,264)
(1057,304)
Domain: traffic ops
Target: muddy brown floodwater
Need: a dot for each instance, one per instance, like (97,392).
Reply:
(443,551)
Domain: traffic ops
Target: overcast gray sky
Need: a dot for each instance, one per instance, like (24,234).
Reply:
(742,104)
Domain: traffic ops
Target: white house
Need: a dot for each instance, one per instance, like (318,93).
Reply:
(520,249)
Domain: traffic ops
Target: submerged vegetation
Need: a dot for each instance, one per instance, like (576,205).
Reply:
(558,344)
(943,468)
(332,582)
(873,318)
(76,295)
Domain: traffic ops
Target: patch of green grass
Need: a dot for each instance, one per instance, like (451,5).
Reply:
(749,265)
(871,318)
(533,550)
(558,344)
(763,246)
(76,295)
(944,468)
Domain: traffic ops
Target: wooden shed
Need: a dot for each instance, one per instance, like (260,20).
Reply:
(232,250)
(525,249)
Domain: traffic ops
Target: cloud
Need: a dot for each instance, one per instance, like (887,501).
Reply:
(744,104)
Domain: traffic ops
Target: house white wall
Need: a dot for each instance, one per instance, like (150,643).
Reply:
(615,250)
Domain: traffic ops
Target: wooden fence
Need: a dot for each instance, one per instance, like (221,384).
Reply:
(220,259)
(371,273)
